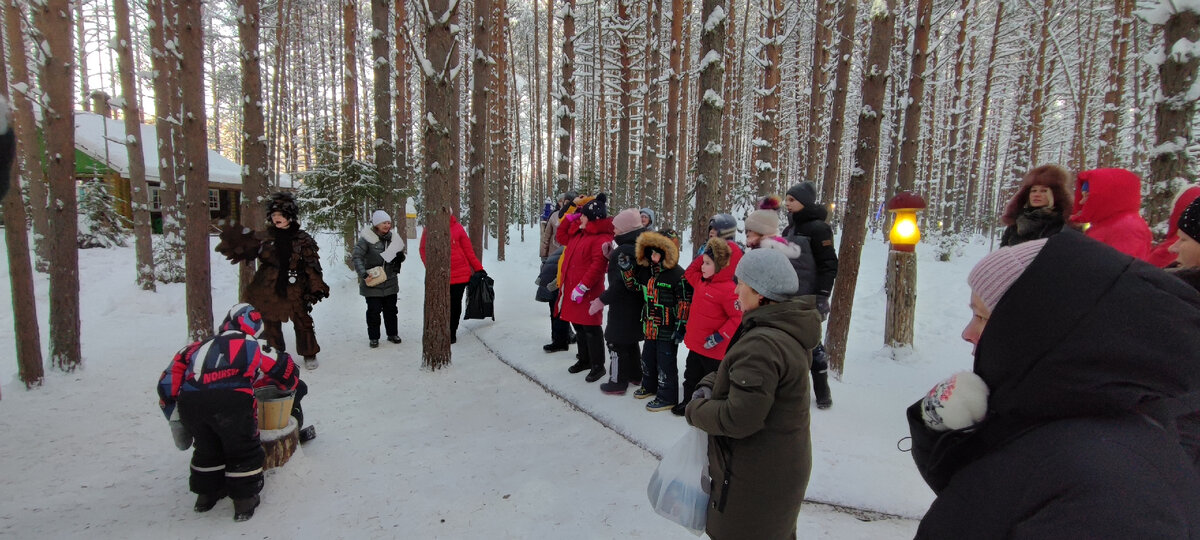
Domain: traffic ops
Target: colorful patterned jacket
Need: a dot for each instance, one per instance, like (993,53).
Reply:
(662,284)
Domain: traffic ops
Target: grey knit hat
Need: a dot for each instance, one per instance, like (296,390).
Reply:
(768,272)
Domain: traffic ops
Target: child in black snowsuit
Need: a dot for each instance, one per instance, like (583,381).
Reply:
(208,388)
(623,326)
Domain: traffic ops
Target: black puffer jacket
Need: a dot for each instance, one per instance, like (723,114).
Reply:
(810,222)
(1079,356)
(623,323)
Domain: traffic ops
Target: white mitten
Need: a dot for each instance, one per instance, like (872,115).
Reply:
(955,403)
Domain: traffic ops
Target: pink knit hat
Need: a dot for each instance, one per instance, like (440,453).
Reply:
(996,272)
(628,220)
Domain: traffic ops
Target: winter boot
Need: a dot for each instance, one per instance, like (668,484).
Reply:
(310,362)
(821,389)
(679,409)
(374,344)
(642,393)
(555,347)
(308,433)
(595,374)
(395,339)
(206,501)
(579,366)
(243,509)
(614,388)
(658,405)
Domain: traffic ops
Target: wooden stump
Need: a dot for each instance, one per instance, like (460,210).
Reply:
(901,298)
(279,444)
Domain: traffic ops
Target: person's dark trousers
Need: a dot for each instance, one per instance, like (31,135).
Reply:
(560,330)
(591,344)
(456,296)
(694,370)
(385,305)
(297,411)
(227,454)
(306,334)
(660,369)
(626,362)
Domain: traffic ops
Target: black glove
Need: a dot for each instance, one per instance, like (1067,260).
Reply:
(823,306)
(399,259)
(678,336)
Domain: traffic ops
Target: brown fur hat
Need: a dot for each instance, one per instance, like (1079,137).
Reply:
(1051,176)
(648,241)
(718,249)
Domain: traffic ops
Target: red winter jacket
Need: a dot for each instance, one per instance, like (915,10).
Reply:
(582,262)
(463,261)
(1112,209)
(712,310)
(1159,256)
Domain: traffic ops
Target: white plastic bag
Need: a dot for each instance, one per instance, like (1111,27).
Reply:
(679,487)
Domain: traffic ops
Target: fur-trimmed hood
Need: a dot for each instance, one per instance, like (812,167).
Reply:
(718,249)
(782,245)
(655,240)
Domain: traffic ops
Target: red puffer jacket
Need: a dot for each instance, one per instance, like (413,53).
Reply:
(463,261)
(712,310)
(1112,209)
(582,262)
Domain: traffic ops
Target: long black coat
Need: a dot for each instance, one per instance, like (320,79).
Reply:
(1077,356)
(810,223)
(624,319)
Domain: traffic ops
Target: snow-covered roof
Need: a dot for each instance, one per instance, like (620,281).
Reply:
(104,140)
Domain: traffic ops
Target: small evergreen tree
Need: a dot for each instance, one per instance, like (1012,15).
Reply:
(99,225)
(338,193)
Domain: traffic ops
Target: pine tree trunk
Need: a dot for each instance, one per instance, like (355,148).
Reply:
(1088,40)
(907,172)
(381,49)
(708,119)
(952,203)
(52,19)
(552,178)
(1114,96)
(680,210)
(566,97)
(973,172)
(195,128)
(441,178)
(166,112)
(822,43)
(254,146)
(131,110)
(674,104)
(28,342)
(349,69)
(26,130)
(624,25)
(481,76)
(652,123)
(765,145)
(500,126)
(837,111)
(1174,113)
(862,179)
(404,99)
(1041,76)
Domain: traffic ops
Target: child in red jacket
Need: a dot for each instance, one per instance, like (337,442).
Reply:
(712,316)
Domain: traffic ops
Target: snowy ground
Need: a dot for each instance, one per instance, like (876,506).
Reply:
(478,450)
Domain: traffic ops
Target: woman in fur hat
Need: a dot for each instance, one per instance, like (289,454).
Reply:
(380,246)
(1039,208)
(289,279)
(581,279)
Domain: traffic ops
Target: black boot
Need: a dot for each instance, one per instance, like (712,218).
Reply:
(243,509)
(555,347)
(595,374)
(206,501)
(579,365)
(821,389)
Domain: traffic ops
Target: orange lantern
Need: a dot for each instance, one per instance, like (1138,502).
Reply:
(905,234)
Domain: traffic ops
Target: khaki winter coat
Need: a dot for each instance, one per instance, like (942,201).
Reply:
(759,447)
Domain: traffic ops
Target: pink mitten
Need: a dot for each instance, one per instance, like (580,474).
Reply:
(595,307)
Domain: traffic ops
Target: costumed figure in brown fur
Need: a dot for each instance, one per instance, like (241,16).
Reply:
(288,280)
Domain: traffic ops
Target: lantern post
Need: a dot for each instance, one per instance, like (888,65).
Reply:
(901,281)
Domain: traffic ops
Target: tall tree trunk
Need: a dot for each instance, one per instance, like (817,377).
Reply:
(674,104)
(1114,95)
(652,113)
(559,184)
(26,131)
(708,119)
(680,210)
(973,170)
(166,111)
(821,53)
(350,79)
(1087,44)
(20,271)
(481,76)
(952,204)
(499,127)
(1174,112)
(907,172)
(381,51)
(624,26)
(85,91)
(404,98)
(765,163)
(566,97)
(132,112)
(439,68)
(278,75)
(1037,112)
(52,19)
(837,112)
(862,179)
(254,141)
(195,129)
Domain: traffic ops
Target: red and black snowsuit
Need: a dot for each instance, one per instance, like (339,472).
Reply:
(209,387)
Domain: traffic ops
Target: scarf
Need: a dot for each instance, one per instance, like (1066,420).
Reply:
(284,240)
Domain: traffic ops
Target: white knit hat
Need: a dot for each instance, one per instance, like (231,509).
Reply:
(996,272)
(380,217)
